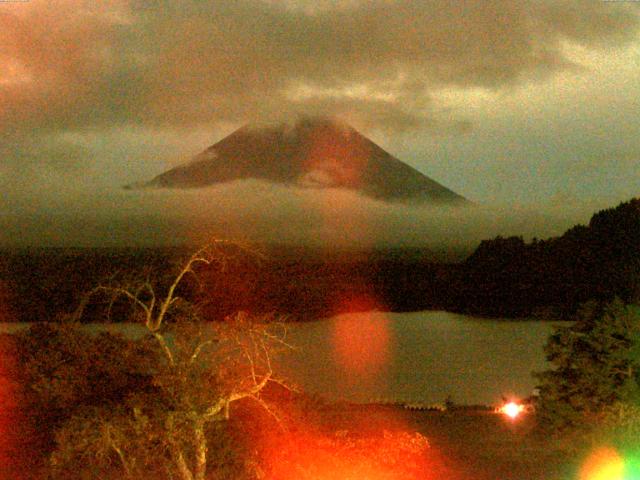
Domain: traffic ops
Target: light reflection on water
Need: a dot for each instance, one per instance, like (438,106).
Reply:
(429,356)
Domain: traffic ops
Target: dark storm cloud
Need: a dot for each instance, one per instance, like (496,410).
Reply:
(188,63)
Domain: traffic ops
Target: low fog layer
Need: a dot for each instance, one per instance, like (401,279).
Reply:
(263,212)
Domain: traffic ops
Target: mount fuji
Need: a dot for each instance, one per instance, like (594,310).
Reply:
(315,152)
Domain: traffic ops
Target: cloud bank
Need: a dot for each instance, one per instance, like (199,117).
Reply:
(261,212)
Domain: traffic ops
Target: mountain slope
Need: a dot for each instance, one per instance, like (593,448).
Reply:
(314,153)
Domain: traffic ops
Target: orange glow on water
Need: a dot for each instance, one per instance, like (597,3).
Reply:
(362,343)
(603,464)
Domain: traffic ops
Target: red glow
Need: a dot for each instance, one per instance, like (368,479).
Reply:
(10,421)
(389,455)
(361,343)
(8,388)
(336,158)
(348,443)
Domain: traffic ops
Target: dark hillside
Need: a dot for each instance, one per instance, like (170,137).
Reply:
(509,277)
(41,285)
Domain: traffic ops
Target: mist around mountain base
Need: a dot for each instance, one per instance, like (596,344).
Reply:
(262,212)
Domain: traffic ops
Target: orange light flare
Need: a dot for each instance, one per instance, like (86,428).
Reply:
(355,442)
(604,463)
(336,158)
(10,418)
(361,341)
(512,410)
(336,162)
(388,455)
(14,435)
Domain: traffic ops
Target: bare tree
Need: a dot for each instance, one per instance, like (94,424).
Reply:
(198,371)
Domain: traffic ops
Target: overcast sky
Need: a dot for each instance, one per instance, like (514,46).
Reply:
(533,104)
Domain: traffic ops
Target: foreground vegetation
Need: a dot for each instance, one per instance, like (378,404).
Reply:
(461,445)
(88,402)
(191,400)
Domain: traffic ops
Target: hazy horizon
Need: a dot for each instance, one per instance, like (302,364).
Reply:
(272,214)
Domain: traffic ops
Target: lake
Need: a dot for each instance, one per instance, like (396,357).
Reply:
(419,357)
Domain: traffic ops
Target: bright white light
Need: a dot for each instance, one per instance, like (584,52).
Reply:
(512,409)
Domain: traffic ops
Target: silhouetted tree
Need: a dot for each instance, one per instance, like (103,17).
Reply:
(594,365)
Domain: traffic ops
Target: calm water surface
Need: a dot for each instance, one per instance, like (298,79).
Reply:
(418,357)
(411,357)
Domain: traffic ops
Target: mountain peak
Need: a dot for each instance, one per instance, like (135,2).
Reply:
(313,152)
